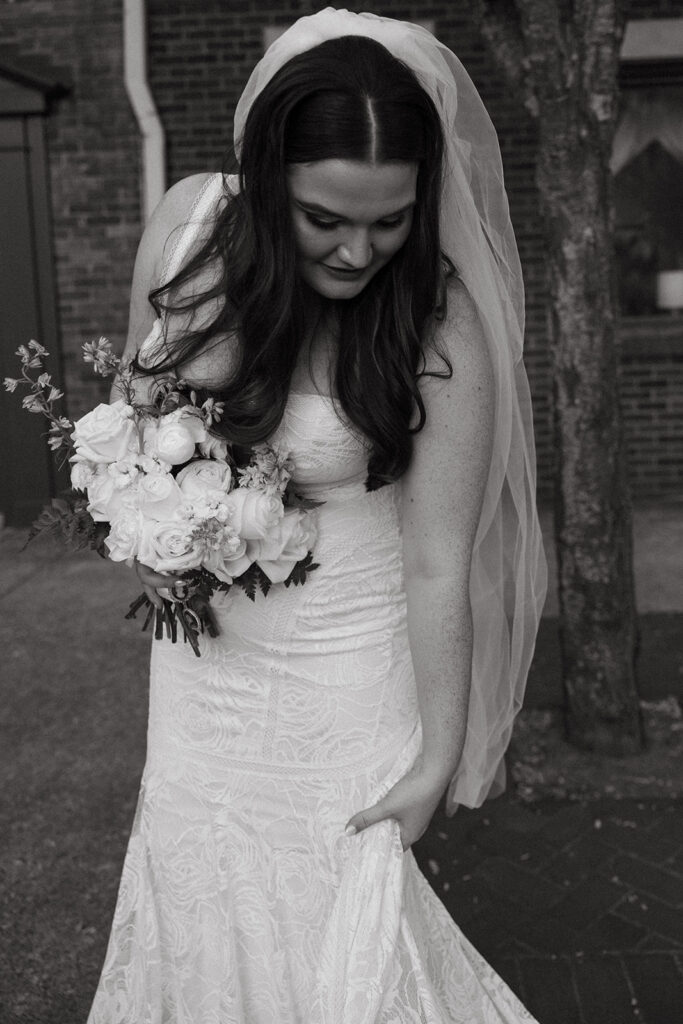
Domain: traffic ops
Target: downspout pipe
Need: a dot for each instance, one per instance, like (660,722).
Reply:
(153,170)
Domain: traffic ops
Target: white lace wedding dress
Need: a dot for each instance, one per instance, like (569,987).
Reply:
(242,901)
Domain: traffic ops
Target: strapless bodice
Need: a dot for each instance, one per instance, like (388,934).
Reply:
(330,455)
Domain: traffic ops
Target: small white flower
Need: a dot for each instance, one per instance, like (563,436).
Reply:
(212,411)
(214,448)
(32,403)
(82,475)
(123,472)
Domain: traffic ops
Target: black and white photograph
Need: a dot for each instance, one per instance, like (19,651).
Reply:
(341,531)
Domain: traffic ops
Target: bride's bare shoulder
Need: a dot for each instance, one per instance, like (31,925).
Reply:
(170,217)
(172,212)
(456,327)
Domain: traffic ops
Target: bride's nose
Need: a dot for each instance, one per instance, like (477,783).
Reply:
(356,252)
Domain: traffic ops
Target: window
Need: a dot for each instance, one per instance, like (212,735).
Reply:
(647,162)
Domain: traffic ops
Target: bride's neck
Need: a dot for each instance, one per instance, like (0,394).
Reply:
(322,317)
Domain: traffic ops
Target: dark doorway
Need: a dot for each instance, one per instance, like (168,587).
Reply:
(27,295)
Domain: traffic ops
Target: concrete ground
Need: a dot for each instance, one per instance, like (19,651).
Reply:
(576,901)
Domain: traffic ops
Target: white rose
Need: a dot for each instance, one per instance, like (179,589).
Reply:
(82,475)
(159,496)
(177,434)
(294,538)
(106,434)
(169,547)
(203,476)
(104,497)
(124,536)
(228,564)
(256,513)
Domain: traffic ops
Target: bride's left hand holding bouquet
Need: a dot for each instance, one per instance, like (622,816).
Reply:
(155,483)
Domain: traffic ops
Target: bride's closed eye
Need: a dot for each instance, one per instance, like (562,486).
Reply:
(330,225)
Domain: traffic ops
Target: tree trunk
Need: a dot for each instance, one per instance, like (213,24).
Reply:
(592,508)
(563,59)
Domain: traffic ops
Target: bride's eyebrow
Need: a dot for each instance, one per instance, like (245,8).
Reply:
(316,208)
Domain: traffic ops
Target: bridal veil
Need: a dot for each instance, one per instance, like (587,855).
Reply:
(508,571)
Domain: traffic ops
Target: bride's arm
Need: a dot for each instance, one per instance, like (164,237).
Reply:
(170,214)
(442,494)
(442,497)
(168,217)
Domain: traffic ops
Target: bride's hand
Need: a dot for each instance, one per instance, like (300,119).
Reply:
(411,802)
(153,581)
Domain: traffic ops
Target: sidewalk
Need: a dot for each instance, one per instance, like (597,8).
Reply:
(578,906)
(577,903)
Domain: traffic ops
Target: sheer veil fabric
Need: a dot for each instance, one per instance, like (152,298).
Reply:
(508,574)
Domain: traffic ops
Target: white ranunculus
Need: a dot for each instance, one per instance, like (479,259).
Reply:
(124,535)
(294,538)
(106,434)
(174,443)
(169,547)
(159,496)
(177,433)
(256,513)
(203,476)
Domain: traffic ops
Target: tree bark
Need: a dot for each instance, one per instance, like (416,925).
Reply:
(562,56)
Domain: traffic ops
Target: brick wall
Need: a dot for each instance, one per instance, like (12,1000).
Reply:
(200,55)
(652,398)
(94,172)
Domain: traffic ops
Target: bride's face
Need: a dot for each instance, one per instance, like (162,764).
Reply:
(349,218)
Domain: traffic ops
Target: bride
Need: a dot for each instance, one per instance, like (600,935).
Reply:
(354,296)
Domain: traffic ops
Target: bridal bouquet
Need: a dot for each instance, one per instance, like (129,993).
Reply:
(155,483)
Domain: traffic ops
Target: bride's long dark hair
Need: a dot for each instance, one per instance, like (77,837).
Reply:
(347,98)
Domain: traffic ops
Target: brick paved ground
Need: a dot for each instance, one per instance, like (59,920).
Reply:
(577,905)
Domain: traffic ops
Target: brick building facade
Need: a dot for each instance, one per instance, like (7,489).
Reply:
(200,54)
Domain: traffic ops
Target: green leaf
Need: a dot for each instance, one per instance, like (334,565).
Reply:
(67,518)
(293,500)
(247,581)
(301,569)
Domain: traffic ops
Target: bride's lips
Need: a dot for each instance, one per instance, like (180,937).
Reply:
(339,272)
